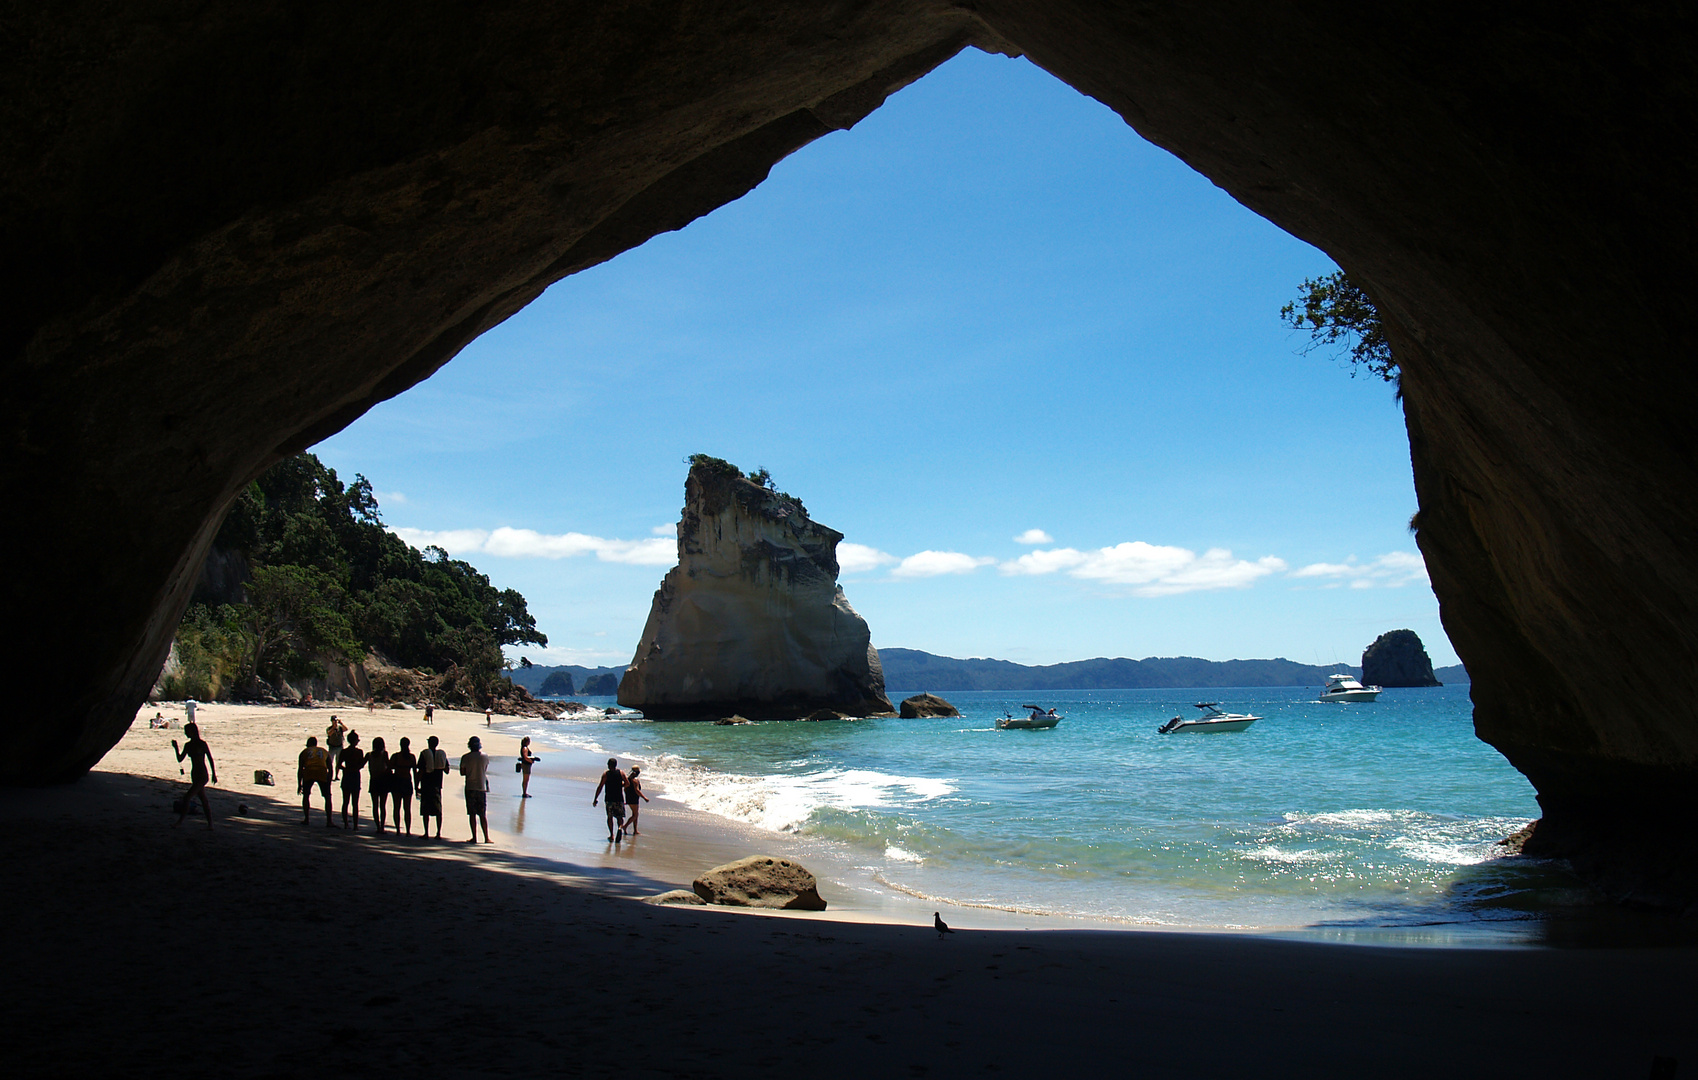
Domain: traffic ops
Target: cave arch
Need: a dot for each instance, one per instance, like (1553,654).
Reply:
(283,213)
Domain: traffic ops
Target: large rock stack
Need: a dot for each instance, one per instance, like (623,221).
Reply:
(751,621)
(1397,658)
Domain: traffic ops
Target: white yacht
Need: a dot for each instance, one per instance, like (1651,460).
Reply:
(1211,720)
(1038,720)
(1344,688)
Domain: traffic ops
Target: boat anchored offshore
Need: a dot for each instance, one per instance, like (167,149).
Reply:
(1038,720)
(1346,689)
(1211,720)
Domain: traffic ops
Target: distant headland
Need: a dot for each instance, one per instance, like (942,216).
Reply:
(908,669)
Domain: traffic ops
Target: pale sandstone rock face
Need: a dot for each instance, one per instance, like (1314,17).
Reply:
(761,881)
(751,621)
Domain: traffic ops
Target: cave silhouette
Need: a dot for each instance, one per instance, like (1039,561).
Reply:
(284,213)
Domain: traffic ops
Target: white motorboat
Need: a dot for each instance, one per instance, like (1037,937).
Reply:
(1211,720)
(1038,720)
(1346,689)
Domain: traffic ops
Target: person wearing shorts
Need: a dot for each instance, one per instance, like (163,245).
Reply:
(613,783)
(351,760)
(314,769)
(433,767)
(474,766)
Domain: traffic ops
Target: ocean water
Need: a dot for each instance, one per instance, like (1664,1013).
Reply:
(1318,816)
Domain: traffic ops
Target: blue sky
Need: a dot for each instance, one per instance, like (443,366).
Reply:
(1030,365)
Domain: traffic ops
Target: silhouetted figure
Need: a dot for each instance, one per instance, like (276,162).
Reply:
(474,766)
(333,744)
(401,766)
(939,925)
(351,761)
(313,770)
(433,768)
(377,763)
(200,765)
(613,782)
(633,796)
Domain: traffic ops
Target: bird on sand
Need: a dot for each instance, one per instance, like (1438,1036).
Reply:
(939,925)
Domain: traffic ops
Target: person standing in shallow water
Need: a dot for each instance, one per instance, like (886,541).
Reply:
(474,766)
(613,782)
(401,765)
(377,763)
(526,760)
(201,763)
(633,796)
(433,767)
(313,771)
(352,760)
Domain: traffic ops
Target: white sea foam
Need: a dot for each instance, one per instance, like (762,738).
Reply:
(786,802)
(891,851)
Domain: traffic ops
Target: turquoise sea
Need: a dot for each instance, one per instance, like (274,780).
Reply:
(1349,817)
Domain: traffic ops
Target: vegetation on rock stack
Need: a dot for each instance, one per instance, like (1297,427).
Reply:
(326,581)
(1397,658)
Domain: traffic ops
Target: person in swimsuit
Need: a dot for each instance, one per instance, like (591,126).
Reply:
(377,763)
(430,713)
(526,760)
(433,766)
(333,744)
(633,796)
(201,764)
(313,770)
(401,765)
(352,760)
(613,782)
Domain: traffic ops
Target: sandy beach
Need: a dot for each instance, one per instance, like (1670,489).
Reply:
(262,947)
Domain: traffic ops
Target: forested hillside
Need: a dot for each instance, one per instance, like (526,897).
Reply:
(309,575)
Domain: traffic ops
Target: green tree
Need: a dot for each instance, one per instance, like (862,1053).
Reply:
(293,618)
(1336,311)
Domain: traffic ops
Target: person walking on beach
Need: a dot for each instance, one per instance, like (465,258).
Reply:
(433,766)
(488,717)
(474,766)
(333,743)
(633,796)
(613,783)
(352,759)
(377,763)
(200,763)
(526,760)
(430,713)
(401,765)
(314,769)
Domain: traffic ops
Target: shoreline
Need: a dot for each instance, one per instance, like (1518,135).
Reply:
(258,946)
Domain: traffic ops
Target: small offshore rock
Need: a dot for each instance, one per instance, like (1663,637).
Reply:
(681,897)
(1517,840)
(762,881)
(923,705)
(727,721)
(825,714)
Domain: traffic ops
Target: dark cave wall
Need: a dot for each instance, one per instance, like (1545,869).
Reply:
(236,227)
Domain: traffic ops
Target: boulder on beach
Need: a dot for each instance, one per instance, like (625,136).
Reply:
(762,881)
(923,705)
(751,620)
(680,897)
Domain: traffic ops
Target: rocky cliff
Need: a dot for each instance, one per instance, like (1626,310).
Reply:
(1397,658)
(751,621)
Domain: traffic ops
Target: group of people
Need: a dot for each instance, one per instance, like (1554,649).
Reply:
(621,791)
(393,778)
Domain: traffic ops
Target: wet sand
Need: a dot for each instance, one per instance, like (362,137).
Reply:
(262,947)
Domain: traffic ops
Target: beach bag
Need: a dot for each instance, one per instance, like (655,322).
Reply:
(263,777)
(519,766)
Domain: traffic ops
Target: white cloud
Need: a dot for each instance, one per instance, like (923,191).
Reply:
(391,497)
(935,563)
(859,558)
(529,544)
(1034,536)
(665,530)
(1152,570)
(1390,571)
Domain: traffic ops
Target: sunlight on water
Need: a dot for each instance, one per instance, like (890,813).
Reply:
(1385,814)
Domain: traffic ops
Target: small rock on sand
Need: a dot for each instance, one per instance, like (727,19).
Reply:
(676,896)
(761,881)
